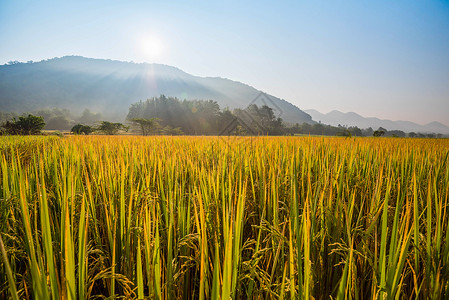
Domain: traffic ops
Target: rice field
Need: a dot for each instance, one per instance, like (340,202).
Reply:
(218,218)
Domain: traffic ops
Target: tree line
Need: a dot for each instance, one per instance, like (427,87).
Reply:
(58,118)
(171,116)
(196,117)
(33,125)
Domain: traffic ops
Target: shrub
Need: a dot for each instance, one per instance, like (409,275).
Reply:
(25,125)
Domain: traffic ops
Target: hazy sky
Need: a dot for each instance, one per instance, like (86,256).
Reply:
(388,59)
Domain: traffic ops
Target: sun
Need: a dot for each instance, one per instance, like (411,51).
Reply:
(152,47)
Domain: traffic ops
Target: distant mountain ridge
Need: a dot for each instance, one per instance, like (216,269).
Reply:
(336,117)
(110,87)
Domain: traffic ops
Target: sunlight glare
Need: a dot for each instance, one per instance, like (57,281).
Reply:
(152,47)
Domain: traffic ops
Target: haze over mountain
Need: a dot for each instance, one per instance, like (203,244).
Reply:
(109,87)
(336,118)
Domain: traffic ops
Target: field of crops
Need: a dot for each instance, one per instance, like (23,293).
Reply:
(219,218)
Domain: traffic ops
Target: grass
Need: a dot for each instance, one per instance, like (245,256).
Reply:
(243,218)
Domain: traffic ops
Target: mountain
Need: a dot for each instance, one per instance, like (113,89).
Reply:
(336,117)
(109,87)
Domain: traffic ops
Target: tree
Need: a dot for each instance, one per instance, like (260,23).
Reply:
(58,123)
(191,116)
(111,128)
(89,117)
(344,132)
(203,117)
(395,133)
(378,133)
(82,129)
(260,120)
(9,128)
(168,130)
(25,125)
(355,131)
(55,118)
(146,125)
(368,131)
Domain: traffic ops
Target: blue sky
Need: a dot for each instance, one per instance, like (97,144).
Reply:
(388,59)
